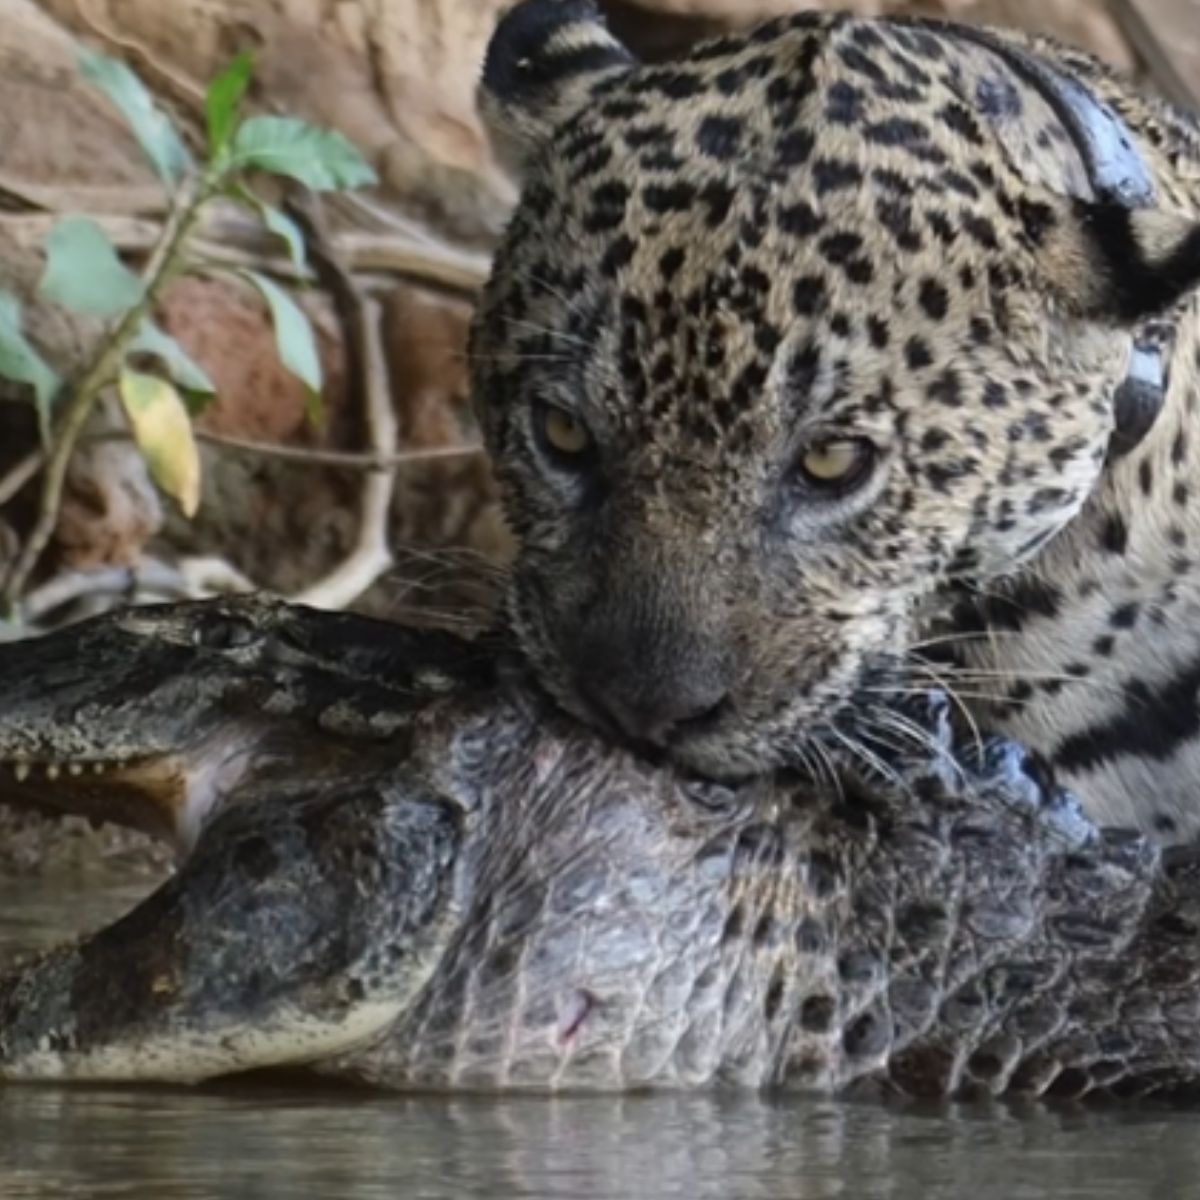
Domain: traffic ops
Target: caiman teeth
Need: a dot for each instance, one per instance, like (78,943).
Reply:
(23,769)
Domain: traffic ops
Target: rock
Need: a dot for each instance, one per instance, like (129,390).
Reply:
(661,27)
(78,140)
(397,78)
(110,508)
(227,330)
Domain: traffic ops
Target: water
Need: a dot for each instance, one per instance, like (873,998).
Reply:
(276,1141)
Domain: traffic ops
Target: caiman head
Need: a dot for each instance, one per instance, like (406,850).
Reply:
(150,717)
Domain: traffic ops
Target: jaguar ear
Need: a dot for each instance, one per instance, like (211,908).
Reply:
(1112,263)
(542,55)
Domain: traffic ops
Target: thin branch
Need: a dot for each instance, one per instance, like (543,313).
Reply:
(103,369)
(20,474)
(348,460)
(123,582)
(146,199)
(211,575)
(440,263)
(371,555)
(345,459)
(228,236)
(190,579)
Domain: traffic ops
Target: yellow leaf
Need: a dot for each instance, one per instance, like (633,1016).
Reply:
(159,421)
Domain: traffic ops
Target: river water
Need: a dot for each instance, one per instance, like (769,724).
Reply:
(277,1141)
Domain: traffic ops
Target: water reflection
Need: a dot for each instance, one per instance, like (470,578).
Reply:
(271,1144)
(273,1141)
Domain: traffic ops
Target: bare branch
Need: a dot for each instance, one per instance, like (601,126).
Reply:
(151,579)
(95,378)
(128,199)
(20,474)
(226,235)
(347,460)
(371,555)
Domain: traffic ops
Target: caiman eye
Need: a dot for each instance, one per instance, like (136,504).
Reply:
(836,467)
(563,435)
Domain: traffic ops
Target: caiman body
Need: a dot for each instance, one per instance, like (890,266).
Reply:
(401,868)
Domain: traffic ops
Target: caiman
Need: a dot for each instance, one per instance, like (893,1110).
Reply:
(400,866)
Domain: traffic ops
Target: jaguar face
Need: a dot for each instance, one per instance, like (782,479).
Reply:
(757,389)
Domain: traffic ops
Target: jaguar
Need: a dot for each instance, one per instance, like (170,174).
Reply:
(841,358)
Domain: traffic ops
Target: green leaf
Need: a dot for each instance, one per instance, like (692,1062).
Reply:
(160,426)
(293,337)
(278,223)
(221,102)
(320,158)
(182,368)
(155,134)
(20,362)
(282,226)
(83,271)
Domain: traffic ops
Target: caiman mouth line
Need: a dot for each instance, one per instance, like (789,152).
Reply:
(168,795)
(152,793)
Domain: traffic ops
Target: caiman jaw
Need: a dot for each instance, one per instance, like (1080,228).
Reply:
(167,795)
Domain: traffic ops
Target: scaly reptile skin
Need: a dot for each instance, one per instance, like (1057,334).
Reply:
(406,870)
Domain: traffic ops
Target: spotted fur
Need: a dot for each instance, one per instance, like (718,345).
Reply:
(839,228)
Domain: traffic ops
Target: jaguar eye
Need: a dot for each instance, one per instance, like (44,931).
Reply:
(564,434)
(837,466)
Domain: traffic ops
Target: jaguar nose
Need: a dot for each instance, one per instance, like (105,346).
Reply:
(656,709)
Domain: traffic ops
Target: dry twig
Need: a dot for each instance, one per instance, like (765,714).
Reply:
(84,392)
(345,459)
(371,555)
(151,578)
(226,236)
(20,474)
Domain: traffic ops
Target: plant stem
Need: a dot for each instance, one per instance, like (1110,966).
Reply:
(103,370)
